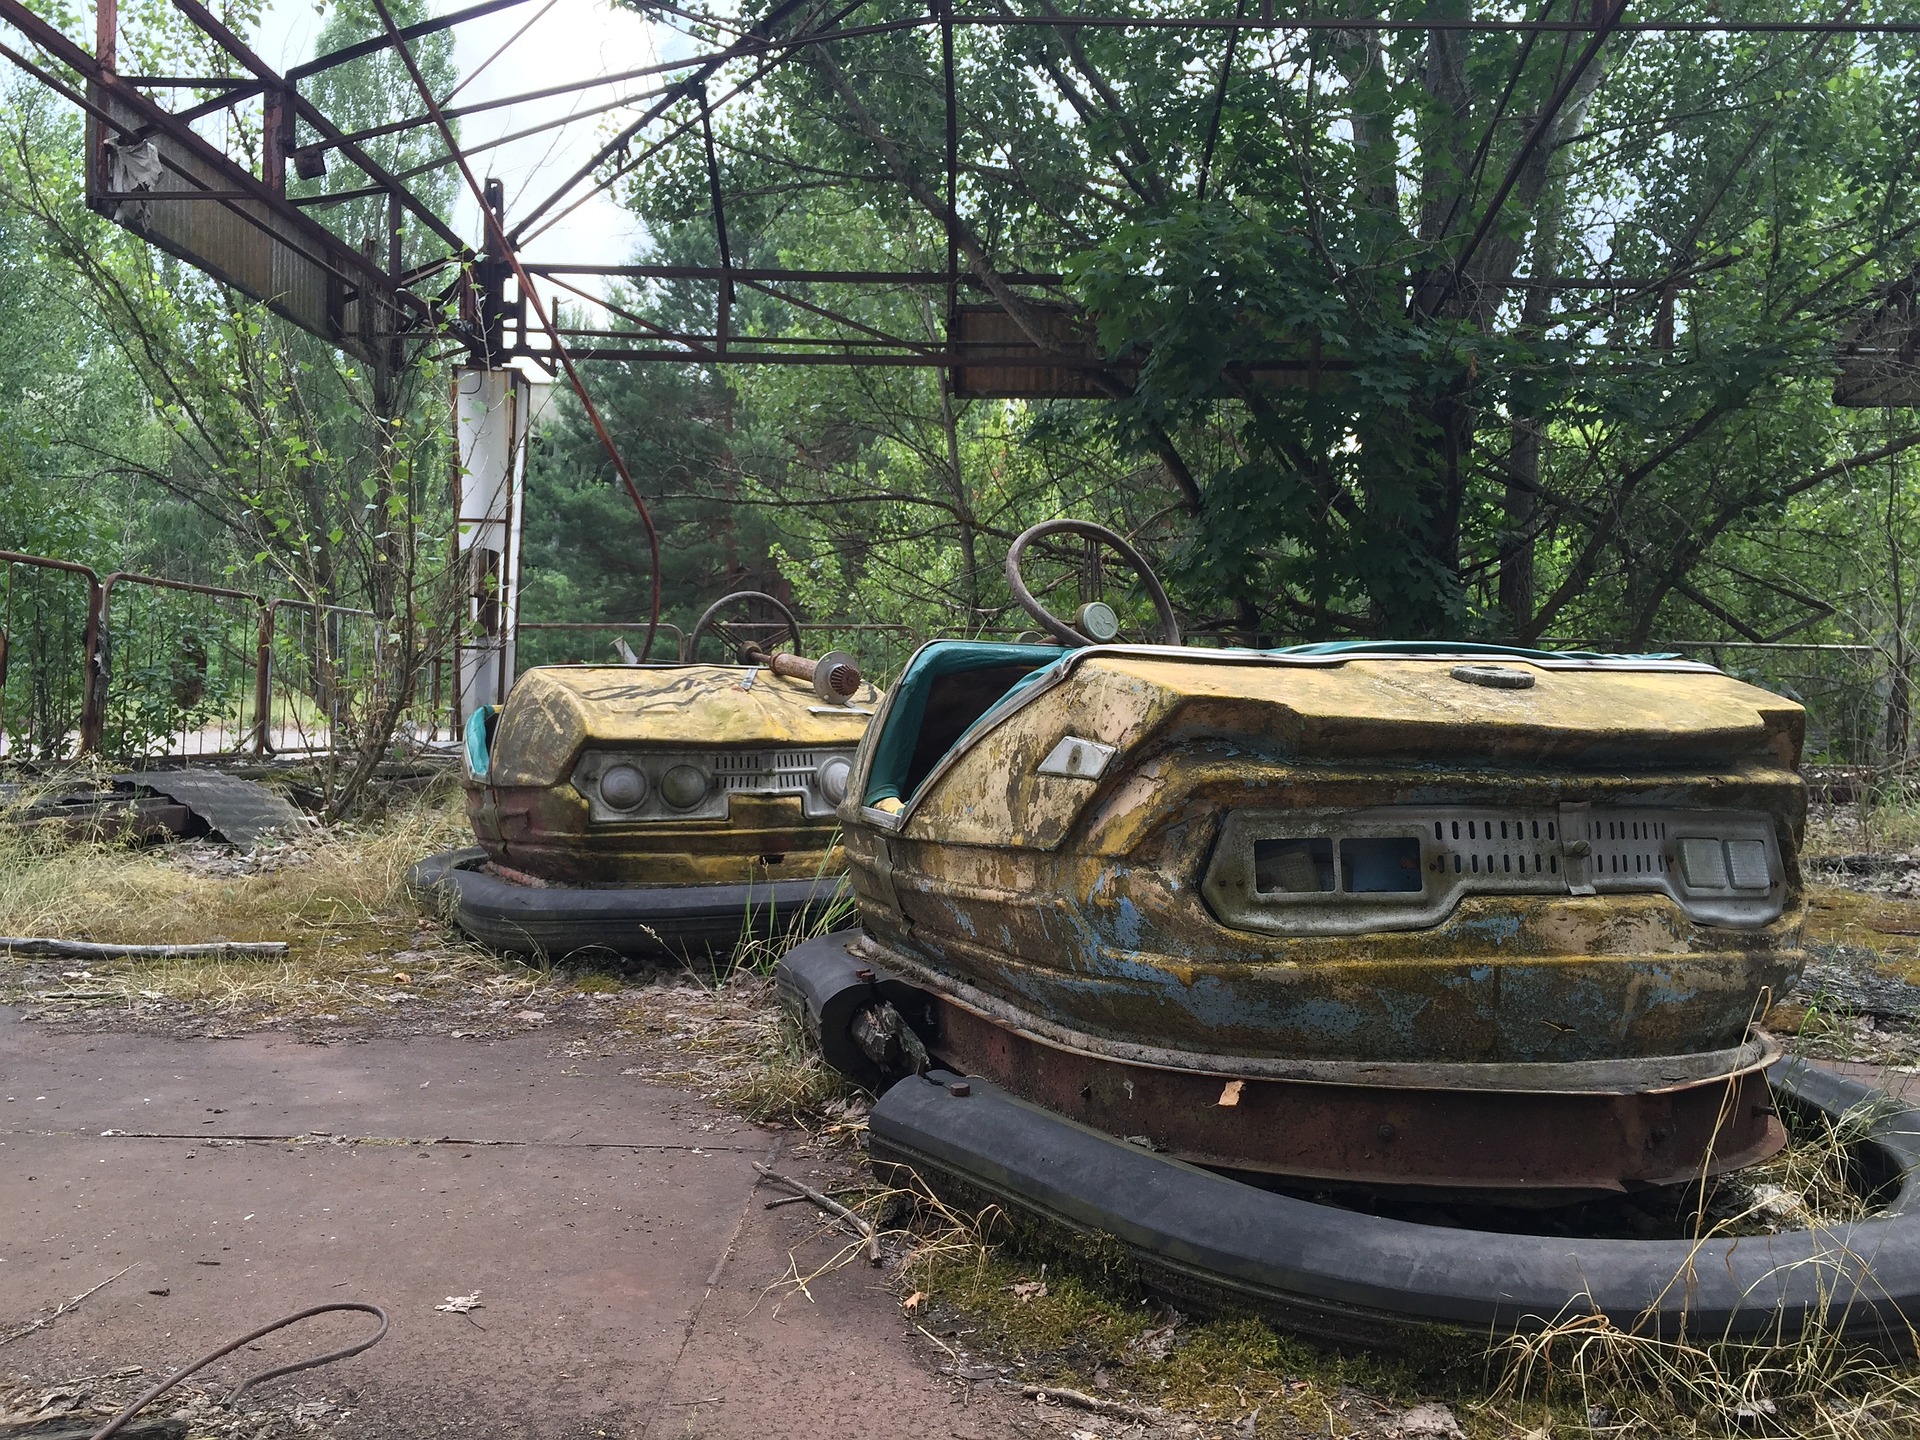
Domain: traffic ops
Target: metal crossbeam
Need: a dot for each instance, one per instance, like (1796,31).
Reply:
(210,209)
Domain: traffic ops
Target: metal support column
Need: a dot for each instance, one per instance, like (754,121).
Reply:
(493,413)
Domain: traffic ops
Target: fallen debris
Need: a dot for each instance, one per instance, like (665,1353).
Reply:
(832,1207)
(65,1307)
(91,950)
(238,810)
(776,1203)
(69,1427)
(1427,1422)
(461,1304)
(1118,1409)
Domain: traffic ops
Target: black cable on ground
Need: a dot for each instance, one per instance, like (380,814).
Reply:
(153,1393)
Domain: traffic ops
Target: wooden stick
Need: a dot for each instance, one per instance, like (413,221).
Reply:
(64,1307)
(89,950)
(802,1199)
(832,1207)
(1117,1408)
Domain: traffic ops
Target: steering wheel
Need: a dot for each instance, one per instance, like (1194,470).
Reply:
(1094,617)
(707,622)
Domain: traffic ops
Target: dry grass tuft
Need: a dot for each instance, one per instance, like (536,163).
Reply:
(337,897)
(1647,1384)
(1640,1384)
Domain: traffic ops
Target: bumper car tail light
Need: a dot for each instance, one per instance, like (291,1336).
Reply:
(1702,864)
(1747,859)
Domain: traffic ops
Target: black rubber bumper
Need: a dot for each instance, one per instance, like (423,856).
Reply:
(825,983)
(1217,1244)
(637,921)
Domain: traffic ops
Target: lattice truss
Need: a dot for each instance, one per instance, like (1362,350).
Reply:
(862,182)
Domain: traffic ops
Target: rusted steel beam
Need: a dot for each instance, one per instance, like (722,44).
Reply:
(754,42)
(723,320)
(1436,1140)
(186,82)
(819,277)
(407,32)
(227,40)
(1081,21)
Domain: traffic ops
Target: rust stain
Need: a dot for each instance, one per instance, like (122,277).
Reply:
(528,812)
(1080,899)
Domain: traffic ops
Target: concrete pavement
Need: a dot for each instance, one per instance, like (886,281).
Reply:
(611,1228)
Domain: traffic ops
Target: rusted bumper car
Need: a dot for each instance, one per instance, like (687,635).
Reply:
(663,809)
(1263,940)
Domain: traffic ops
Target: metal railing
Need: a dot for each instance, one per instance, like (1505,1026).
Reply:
(132,667)
(135,666)
(50,691)
(177,661)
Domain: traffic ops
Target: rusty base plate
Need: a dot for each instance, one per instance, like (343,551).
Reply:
(1498,1146)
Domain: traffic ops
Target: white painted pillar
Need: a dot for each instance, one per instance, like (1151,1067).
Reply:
(494,412)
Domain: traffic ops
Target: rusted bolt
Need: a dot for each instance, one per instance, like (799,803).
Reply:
(864,973)
(1386,1130)
(959,1089)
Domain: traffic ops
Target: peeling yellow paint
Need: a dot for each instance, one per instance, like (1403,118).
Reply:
(1081,899)
(529,815)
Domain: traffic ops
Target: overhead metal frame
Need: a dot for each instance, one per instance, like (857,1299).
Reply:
(277,248)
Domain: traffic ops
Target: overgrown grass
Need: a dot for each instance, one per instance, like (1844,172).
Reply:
(337,897)
(1881,821)
(1062,1309)
(343,882)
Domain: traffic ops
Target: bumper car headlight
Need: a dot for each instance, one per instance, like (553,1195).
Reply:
(831,778)
(685,786)
(623,787)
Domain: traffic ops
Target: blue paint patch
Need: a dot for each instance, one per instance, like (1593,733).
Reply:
(1498,929)
(1126,924)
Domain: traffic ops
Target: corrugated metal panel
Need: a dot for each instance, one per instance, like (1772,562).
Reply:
(264,248)
(997,361)
(1880,358)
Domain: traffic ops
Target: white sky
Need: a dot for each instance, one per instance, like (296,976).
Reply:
(573,40)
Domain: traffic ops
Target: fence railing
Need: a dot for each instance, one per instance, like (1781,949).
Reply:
(133,666)
(50,692)
(130,666)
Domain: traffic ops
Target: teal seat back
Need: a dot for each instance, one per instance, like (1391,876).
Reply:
(894,750)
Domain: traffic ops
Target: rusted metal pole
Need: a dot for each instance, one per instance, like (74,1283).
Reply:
(834,676)
(263,676)
(276,140)
(93,694)
(499,245)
